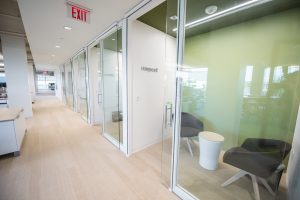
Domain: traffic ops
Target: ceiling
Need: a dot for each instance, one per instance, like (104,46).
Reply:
(159,17)
(11,23)
(44,22)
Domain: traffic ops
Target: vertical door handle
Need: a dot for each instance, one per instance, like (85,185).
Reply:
(99,98)
(168,115)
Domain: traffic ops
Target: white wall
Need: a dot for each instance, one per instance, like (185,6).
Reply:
(294,164)
(31,81)
(16,70)
(147,90)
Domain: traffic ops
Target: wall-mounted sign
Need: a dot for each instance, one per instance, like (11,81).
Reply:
(78,12)
(149,69)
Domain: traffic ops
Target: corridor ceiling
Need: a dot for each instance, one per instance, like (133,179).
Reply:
(11,23)
(44,22)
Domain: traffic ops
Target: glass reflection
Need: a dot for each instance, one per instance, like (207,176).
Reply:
(81,85)
(244,103)
(112,87)
(69,84)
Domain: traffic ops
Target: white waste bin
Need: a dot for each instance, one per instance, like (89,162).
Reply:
(210,144)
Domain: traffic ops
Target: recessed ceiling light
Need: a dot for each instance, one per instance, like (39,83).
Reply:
(229,11)
(68,28)
(211,9)
(57,46)
(113,39)
(174,17)
(53,55)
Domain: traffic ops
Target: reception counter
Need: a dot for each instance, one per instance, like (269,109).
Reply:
(12,130)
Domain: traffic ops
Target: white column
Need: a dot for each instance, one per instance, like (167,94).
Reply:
(16,71)
(58,91)
(31,81)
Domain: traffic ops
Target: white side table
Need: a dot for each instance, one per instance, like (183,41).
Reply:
(210,144)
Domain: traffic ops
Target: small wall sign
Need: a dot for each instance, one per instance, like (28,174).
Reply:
(149,69)
(78,12)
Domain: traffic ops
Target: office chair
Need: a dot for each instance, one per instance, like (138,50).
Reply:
(190,127)
(261,159)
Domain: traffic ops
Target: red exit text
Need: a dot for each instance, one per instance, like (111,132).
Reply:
(79,13)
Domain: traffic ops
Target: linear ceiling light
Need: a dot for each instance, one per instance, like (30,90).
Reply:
(234,9)
(68,28)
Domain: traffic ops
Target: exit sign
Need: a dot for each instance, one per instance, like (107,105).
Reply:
(78,12)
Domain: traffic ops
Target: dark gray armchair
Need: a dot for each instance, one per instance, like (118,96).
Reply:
(261,159)
(190,127)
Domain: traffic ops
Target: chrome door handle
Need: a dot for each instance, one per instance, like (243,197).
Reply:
(168,115)
(99,98)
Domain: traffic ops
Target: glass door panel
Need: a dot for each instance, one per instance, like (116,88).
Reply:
(62,69)
(169,90)
(69,84)
(112,87)
(82,103)
(239,87)
(94,59)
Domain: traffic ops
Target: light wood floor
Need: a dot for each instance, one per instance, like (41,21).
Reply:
(64,158)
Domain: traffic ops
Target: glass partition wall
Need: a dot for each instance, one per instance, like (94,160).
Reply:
(238,98)
(95,80)
(69,84)
(111,55)
(80,70)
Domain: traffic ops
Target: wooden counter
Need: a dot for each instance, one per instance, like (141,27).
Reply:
(7,114)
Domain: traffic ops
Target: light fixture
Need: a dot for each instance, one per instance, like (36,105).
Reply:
(174,17)
(68,28)
(234,9)
(211,9)
(53,55)
(57,46)
(113,39)
(1,64)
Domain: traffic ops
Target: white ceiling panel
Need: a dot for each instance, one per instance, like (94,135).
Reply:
(44,22)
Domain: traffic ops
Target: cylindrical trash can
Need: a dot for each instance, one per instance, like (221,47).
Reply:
(210,144)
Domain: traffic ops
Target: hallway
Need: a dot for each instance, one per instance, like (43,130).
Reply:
(64,158)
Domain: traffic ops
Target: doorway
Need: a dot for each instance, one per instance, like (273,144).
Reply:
(152,83)
(113,87)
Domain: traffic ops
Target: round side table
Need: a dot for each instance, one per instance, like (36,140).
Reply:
(210,144)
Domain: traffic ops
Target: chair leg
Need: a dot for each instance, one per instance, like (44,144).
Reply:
(189,146)
(255,187)
(234,178)
(267,186)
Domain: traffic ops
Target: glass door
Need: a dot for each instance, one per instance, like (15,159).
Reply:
(112,87)
(63,84)
(95,77)
(69,84)
(238,90)
(169,72)
(81,85)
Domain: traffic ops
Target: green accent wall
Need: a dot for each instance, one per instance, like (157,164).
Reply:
(231,101)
